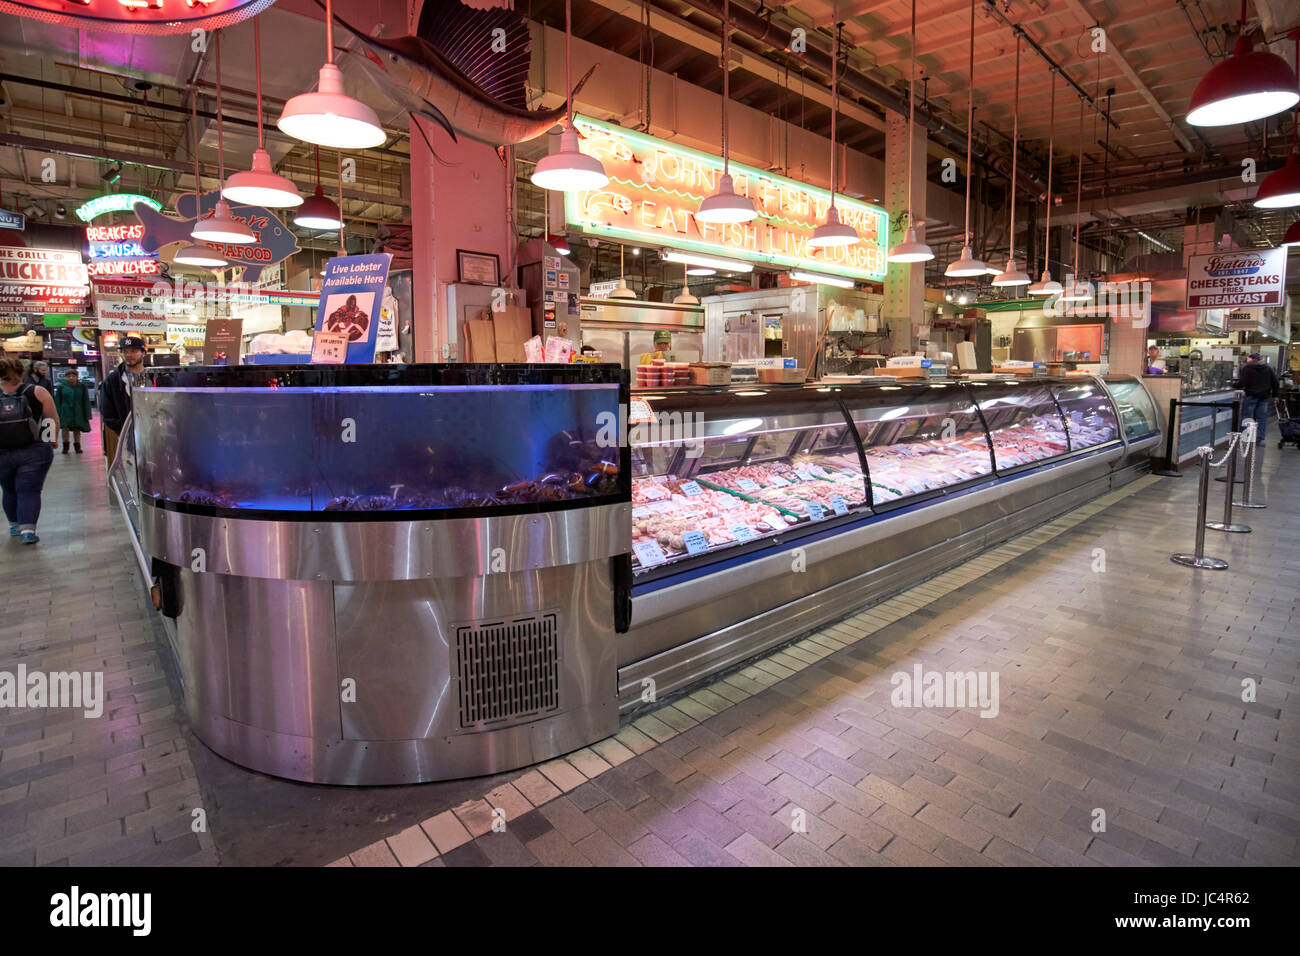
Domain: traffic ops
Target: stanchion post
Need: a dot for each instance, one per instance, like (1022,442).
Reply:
(1198,559)
(1170,469)
(1234,441)
(1252,431)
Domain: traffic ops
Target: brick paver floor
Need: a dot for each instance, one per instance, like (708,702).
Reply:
(1119,702)
(75,790)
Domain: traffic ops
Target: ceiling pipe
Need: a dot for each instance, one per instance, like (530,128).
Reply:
(763,31)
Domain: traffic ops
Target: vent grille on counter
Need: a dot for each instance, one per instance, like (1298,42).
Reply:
(507,671)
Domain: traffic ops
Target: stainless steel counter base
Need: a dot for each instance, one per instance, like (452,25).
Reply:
(460,662)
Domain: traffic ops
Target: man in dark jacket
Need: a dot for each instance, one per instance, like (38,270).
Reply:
(117,392)
(1259,382)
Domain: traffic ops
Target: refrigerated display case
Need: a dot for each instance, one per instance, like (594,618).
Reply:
(921,476)
(1137,411)
(386,574)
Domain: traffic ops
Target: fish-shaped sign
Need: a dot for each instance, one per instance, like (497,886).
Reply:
(275,242)
(465,71)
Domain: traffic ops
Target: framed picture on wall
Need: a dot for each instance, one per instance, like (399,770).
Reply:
(479,268)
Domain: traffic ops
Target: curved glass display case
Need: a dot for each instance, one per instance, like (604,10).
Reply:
(1136,410)
(752,466)
(297,441)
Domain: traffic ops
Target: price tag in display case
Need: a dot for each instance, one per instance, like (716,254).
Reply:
(329,348)
(779,482)
(840,506)
(743,532)
(804,475)
(648,553)
(695,542)
(747,485)
(816,512)
(691,488)
(727,503)
(639,412)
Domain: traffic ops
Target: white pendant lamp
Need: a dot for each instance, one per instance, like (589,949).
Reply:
(568,168)
(328,116)
(197,254)
(911,249)
(1013,276)
(968,266)
(622,292)
(221,226)
(726,205)
(261,185)
(319,211)
(833,234)
(1047,285)
(685,298)
(1249,85)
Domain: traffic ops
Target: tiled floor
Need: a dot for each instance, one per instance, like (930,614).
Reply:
(1120,690)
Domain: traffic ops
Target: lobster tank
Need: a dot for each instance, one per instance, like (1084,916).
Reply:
(386,574)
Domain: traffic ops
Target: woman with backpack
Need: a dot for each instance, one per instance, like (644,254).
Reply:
(29,426)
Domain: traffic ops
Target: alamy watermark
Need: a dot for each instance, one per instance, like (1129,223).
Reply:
(946,689)
(657,428)
(33,689)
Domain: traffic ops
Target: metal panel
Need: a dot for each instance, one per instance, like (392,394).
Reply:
(388,550)
(259,652)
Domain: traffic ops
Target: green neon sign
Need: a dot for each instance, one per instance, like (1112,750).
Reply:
(655,187)
(113,202)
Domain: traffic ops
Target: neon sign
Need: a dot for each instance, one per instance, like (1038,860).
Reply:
(656,186)
(110,202)
(116,251)
(151,17)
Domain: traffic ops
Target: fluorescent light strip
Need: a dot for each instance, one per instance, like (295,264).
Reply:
(824,279)
(712,262)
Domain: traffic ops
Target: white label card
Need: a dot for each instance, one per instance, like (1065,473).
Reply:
(839,505)
(779,482)
(695,542)
(804,474)
(649,553)
(816,511)
(743,532)
(747,485)
(691,488)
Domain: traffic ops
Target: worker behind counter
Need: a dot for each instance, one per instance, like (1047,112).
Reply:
(663,342)
(1155,364)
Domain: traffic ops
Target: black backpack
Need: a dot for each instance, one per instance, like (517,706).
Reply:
(20,418)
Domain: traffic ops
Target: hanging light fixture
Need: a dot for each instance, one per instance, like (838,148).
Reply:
(328,116)
(221,226)
(569,168)
(197,254)
(560,244)
(726,205)
(967,265)
(1076,291)
(685,298)
(1282,186)
(622,292)
(1249,85)
(1047,285)
(1013,276)
(319,211)
(261,185)
(1292,237)
(911,249)
(833,233)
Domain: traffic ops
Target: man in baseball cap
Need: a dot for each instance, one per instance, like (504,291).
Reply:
(1259,382)
(115,398)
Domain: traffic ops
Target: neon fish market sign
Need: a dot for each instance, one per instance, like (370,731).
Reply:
(656,186)
(151,17)
(111,202)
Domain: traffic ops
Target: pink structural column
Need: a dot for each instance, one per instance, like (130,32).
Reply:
(459,200)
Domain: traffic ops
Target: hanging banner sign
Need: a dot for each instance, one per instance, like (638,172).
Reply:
(350,299)
(274,242)
(117,315)
(141,17)
(12,220)
(41,280)
(655,187)
(1240,278)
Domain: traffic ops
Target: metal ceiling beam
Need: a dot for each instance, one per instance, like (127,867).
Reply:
(1087,19)
(89,152)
